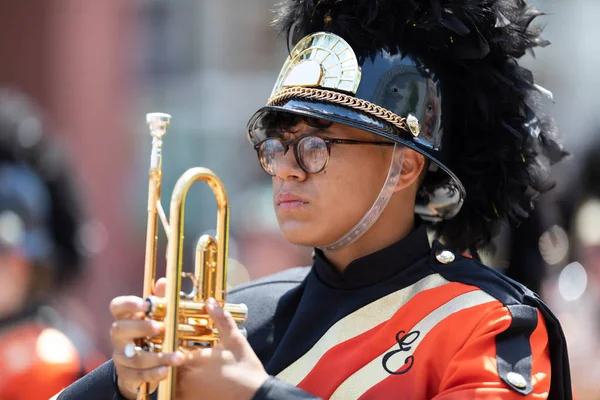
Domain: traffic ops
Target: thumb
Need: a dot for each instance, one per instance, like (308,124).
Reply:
(160,288)
(229,334)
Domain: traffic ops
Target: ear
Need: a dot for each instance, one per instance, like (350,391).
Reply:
(412,166)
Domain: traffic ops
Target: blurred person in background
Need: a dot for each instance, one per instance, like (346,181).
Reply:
(578,283)
(524,252)
(571,253)
(41,217)
(556,253)
(362,161)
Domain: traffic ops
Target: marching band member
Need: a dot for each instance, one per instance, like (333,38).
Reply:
(388,118)
(40,216)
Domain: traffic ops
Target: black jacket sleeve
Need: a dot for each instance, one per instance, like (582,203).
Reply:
(100,384)
(274,389)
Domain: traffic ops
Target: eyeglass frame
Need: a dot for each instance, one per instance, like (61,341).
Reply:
(328,142)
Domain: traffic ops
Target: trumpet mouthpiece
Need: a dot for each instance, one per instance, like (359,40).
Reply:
(158,123)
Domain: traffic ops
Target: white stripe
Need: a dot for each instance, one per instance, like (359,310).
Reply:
(355,324)
(373,373)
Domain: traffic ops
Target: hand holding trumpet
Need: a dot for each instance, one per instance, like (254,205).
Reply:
(229,370)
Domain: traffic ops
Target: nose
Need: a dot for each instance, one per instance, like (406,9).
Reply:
(288,167)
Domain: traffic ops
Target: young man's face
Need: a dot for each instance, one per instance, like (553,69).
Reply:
(317,209)
(15,270)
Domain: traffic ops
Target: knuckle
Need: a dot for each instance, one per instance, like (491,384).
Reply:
(146,360)
(205,353)
(149,327)
(232,325)
(137,361)
(114,305)
(226,326)
(156,374)
(216,313)
(224,321)
(115,329)
(141,375)
(237,336)
(228,356)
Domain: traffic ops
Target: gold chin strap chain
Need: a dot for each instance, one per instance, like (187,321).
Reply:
(338,98)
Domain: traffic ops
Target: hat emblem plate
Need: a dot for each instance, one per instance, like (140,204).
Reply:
(322,60)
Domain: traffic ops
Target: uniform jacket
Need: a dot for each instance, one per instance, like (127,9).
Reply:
(37,359)
(410,321)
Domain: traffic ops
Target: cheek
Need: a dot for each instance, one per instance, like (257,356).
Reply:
(343,198)
(340,196)
(349,193)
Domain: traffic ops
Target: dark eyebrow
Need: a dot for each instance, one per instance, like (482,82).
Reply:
(287,135)
(316,131)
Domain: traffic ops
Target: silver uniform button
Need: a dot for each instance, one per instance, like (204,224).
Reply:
(516,380)
(445,256)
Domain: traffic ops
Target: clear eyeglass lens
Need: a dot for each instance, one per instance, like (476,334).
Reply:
(312,152)
(269,154)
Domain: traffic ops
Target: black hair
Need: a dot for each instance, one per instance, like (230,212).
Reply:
(276,122)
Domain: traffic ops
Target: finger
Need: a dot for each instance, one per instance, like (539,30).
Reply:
(155,374)
(230,336)
(126,330)
(124,307)
(160,288)
(199,356)
(148,359)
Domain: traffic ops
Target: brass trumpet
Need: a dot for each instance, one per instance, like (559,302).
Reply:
(187,324)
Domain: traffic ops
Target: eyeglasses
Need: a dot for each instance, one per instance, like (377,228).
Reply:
(312,152)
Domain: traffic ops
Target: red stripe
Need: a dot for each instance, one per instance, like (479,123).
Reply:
(432,357)
(342,360)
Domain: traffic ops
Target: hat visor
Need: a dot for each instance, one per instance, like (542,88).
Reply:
(435,207)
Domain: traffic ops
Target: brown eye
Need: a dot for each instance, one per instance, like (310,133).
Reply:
(312,153)
(269,153)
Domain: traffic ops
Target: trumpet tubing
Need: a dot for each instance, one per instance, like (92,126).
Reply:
(187,324)
(193,309)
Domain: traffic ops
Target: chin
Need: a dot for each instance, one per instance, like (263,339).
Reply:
(297,235)
(305,234)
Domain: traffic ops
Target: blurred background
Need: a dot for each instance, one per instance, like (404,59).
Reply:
(95,68)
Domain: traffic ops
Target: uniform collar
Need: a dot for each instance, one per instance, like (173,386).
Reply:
(377,266)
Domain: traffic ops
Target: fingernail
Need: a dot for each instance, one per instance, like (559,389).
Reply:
(211,302)
(157,326)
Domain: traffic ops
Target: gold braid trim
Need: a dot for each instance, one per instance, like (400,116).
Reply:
(338,98)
